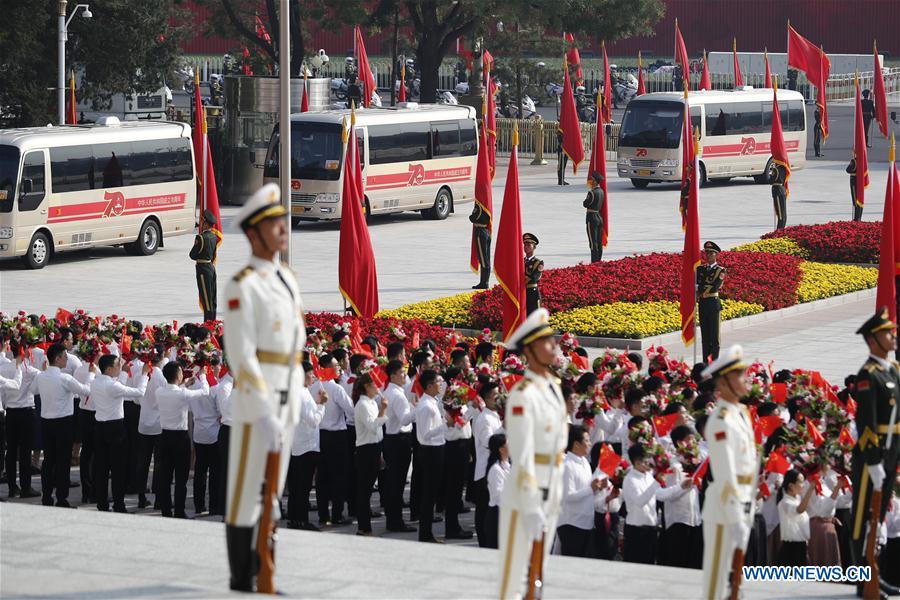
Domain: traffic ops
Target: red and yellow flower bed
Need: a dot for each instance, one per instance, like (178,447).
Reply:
(854,242)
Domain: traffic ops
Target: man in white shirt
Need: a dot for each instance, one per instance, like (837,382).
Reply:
(8,386)
(640,492)
(682,541)
(397,446)
(149,430)
(484,425)
(576,518)
(206,449)
(88,427)
(58,391)
(305,454)
(20,421)
(222,395)
(430,427)
(456,462)
(108,396)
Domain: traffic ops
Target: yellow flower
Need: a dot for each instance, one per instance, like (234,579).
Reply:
(448,311)
(781,245)
(821,280)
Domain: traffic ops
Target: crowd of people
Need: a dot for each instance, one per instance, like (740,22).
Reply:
(377,413)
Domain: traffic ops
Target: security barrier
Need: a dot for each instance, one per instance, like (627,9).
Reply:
(537,137)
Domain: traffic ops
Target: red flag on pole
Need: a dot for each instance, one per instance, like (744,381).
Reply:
(304,102)
(705,82)
(805,56)
(366,78)
(690,256)
(609,460)
(881,113)
(769,424)
(887,263)
(63,316)
(210,191)
(483,195)
(199,143)
(71,118)
(768,80)
(491,121)
(700,473)
(814,434)
(598,164)
(845,437)
(681,56)
(860,152)
(607,89)
(569,125)
(665,423)
(509,255)
(738,77)
(687,160)
(574,58)
(402,96)
(777,463)
(776,142)
(641,88)
(357,278)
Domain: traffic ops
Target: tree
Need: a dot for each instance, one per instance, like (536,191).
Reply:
(128,46)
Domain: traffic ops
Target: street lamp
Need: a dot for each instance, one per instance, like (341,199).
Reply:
(63,36)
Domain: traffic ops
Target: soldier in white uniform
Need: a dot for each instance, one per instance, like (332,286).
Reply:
(536,430)
(728,509)
(264,336)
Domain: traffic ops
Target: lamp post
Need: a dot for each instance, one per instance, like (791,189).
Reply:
(62,37)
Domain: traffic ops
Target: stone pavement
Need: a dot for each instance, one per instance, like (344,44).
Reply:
(44,556)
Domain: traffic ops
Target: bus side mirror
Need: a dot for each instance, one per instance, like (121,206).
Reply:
(27,186)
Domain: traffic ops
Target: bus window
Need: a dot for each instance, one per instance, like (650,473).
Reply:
(468,138)
(72,168)
(796,117)
(445,139)
(391,143)
(33,189)
(316,151)
(149,162)
(9,173)
(111,163)
(652,124)
(696,124)
(181,166)
(361,144)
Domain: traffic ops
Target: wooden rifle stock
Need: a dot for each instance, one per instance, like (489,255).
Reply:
(265,541)
(871,590)
(737,572)
(536,571)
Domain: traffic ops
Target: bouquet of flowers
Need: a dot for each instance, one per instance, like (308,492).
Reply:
(641,433)
(618,477)
(657,360)
(486,335)
(89,348)
(397,333)
(568,343)
(207,354)
(588,409)
(617,382)
(458,394)
(656,402)
(610,361)
(513,364)
(166,334)
(688,453)
(662,462)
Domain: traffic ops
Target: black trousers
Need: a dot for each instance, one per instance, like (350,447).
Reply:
(350,481)
(470,471)
(482,497)
(174,460)
(594,225)
(206,287)
(300,479)
(817,140)
(397,456)
(206,465)
(483,248)
(86,458)
(367,459)
(109,463)
(709,309)
(682,546)
(331,476)
(561,161)
(58,440)
(574,541)
(532,299)
(491,528)
(456,461)
(640,544)
(857,209)
(148,449)
(224,437)
(779,201)
(606,535)
(862,495)
(843,532)
(3,440)
(431,459)
(132,445)
(415,478)
(890,561)
(757,546)
(19,444)
(792,554)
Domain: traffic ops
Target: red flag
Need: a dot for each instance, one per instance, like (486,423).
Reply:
(764,490)
(573,57)
(569,125)
(304,102)
(859,152)
(641,89)
(768,80)
(776,142)
(379,377)
(665,423)
(210,191)
(483,194)
(598,164)
(357,277)
(609,460)
(887,262)
(777,463)
(261,31)
(125,345)
(778,392)
(705,82)
(210,376)
(738,77)
(580,361)
(814,435)
(415,340)
(71,118)
(314,360)
(681,56)
(366,78)
(880,97)
(687,160)
(509,256)
(487,60)
(845,437)
(851,406)
(510,380)
(417,388)
(198,131)
(63,316)
(607,89)
(700,473)
(328,374)
(805,56)
(402,96)
(690,257)
(769,423)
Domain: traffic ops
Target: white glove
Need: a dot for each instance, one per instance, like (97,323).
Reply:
(272,432)
(876,474)
(741,534)
(534,524)
(881,537)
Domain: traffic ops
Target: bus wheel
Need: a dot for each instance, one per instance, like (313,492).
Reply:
(148,240)
(640,183)
(703,181)
(441,207)
(764,176)
(38,254)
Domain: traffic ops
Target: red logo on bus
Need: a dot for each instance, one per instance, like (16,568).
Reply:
(416,174)
(115,205)
(295,184)
(640,152)
(748,146)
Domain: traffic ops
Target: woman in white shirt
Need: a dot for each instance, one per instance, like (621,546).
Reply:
(370,417)
(824,549)
(497,472)
(794,520)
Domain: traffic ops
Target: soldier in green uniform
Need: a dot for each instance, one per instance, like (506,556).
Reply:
(593,219)
(481,220)
(779,194)
(534,268)
(851,170)
(204,253)
(875,454)
(709,279)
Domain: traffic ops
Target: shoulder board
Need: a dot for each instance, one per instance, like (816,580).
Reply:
(871,366)
(242,273)
(722,412)
(720,270)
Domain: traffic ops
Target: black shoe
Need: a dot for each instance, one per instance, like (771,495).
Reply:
(120,508)
(199,510)
(887,588)
(103,508)
(323,524)
(432,540)
(64,504)
(376,514)
(309,527)
(29,493)
(480,286)
(142,501)
(239,541)
(365,533)
(47,501)
(156,505)
(13,491)
(437,519)
(339,522)
(293,524)
(181,515)
(402,529)
(465,510)
(565,183)
(462,534)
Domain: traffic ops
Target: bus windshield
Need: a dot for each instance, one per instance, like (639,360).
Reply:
(652,124)
(9,173)
(316,150)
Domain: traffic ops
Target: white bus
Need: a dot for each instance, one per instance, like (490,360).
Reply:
(414,157)
(110,184)
(735,129)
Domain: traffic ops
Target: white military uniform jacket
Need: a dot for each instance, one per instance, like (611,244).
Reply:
(264,335)
(733,462)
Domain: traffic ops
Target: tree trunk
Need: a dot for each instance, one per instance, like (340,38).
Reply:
(519,89)
(429,59)
(394,44)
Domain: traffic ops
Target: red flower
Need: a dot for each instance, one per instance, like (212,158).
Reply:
(837,241)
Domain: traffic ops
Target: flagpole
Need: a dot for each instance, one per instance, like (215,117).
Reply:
(284,128)
(205,142)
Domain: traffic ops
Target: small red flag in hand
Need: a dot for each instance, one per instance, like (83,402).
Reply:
(210,378)
(777,463)
(328,374)
(764,490)
(510,380)
(379,377)
(845,437)
(769,423)
(63,316)
(778,392)
(814,435)
(609,460)
(580,361)
(417,388)
(700,473)
(665,423)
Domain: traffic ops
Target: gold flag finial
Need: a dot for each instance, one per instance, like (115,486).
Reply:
(515,135)
(892,151)
(640,64)
(197,77)
(345,134)
(353,113)
(697,141)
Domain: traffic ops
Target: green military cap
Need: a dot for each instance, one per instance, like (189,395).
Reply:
(530,238)
(711,246)
(880,321)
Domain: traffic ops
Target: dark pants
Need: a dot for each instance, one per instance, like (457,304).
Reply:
(867,124)
(456,459)
(756,554)
(331,476)
(415,478)
(470,471)
(397,455)
(594,225)
(19,440)
(817,140)
(857,209)
(606,535)
(574,541)
(109,462)
(224,435)
(174,460)
(367,459)
(843,532)
(206,287)
(299,483)
(491,527)
(792,554)
(779,201)
(862,496)
(431,459)
(206,464)
(483,248)
(532,299)
(148,449)
(58,440)
(350,481)
(132,445)
(709,309)
(86,459)
(640,544)
(561,161)
(682,546)
(2,439)
(482,497)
